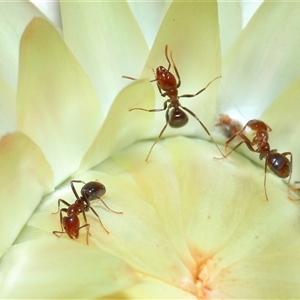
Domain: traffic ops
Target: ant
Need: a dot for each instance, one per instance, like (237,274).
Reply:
(168,86)
(277,162)
(228,126)
(70,224)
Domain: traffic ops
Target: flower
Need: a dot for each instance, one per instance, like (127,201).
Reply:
(192,227)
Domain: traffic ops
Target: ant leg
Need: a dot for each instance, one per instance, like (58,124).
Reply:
(176,71)
(73,188)
(202,90)
(265,181)
(61,223)
(116,212)
(90,207)
(244,140)
(87,231)
(56,233)
(95,213)
(128,77)
(206,130)
(58,202)
(166,53)
(158,138)
(152,110)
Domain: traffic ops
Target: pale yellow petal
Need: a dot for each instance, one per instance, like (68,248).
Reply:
(49,268)
(216,208)
(122,127)
(51,9)
(192,33)
(136,236)
(57,105)
(230,19)
(8,114)
(261,64)
(152,288)
(149,16)
(14,17)
(25,177)
(107,41)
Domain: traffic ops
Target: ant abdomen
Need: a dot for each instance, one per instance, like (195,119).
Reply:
(177,118)
(280,165)
(93,190)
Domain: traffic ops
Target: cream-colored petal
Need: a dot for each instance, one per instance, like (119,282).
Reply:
(122,127)
(25,177)
(51,9)
(57,105)
(271,275)
(261,64)
(8,114)
(136,236)
(149,16)
(152,288)
(188,220)
(107,41)
(231,22)
(49,268)
(215,208)
(14,17)
(192,33)
(228,222)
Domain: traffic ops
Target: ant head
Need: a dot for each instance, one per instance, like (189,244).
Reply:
(93,190)
(177,118)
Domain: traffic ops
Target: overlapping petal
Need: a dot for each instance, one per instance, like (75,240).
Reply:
(55,269)
(25,178)
(56,103)
(8,113)
(14,17)
(261,63)
(107,41)
(191,227)
(198,226)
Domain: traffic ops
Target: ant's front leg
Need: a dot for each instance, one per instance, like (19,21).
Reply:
(202,90)
(152,110)
(73,188)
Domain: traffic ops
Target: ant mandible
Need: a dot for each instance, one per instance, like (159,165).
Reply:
(168,86)
(277,162)
(70,224)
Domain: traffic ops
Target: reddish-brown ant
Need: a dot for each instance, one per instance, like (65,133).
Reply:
(70,224)
(168,86)
(228,126)
(277,162)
